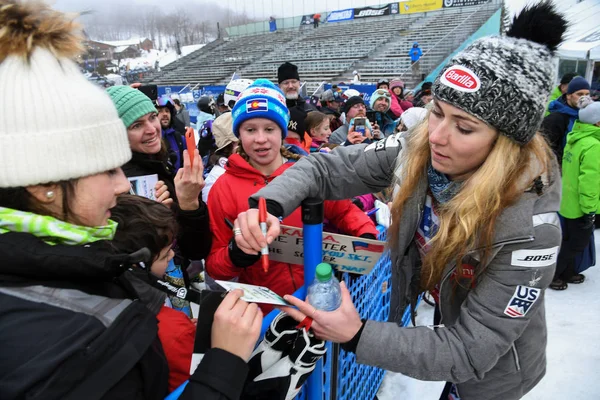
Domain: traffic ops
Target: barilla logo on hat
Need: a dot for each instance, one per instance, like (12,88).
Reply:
(461,78)
(257,105)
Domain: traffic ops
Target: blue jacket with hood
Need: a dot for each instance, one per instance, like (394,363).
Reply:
(558,124)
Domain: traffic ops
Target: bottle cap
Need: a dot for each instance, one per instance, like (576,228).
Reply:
(324,272)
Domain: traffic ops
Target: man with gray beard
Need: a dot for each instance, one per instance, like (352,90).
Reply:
(289,83)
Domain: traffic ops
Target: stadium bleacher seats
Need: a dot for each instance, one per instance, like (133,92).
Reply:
(377,48)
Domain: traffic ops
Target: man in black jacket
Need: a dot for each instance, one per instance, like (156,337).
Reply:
(289,83)
(563,113)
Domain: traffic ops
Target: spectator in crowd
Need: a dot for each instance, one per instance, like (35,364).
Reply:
(261,128)
(380,103)
(580,191)
(207,107)
(182,114)
(563,113)
(411,118)
(399,104)
(72,325)
(144,223)
(561,89)
(356,77)
(409,96)
(180,189)
(383,84)
(173,131)
(315,101)
(226,144)
(331,105)
(423,98)
(415,54)
(472,221)
(317,125)
(221,106)
(289,83)
(206,142)
(297,141)
(345,135)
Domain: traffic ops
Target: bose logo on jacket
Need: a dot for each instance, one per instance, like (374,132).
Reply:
(534,258)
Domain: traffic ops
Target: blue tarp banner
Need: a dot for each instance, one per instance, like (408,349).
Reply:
(341,15)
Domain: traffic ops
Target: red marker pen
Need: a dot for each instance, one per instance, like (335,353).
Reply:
(262,218)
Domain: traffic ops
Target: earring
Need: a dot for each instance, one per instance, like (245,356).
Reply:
(49,194)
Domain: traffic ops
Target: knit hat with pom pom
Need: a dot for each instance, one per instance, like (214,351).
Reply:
(505,80)
(55,125)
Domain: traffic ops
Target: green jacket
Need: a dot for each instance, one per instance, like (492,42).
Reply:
(556,93)
(581,171)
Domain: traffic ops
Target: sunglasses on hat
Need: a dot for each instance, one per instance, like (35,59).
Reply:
(383,92)
(163,101)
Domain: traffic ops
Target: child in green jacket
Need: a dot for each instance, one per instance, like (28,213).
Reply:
(580,191)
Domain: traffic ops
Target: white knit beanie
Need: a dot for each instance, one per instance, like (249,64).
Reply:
(54,124)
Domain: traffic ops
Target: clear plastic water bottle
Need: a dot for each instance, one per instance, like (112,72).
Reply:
(325,293)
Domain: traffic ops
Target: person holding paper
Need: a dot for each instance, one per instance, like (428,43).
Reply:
(144,223)
(260,121)
(72,324)
(474,220)
(180,189)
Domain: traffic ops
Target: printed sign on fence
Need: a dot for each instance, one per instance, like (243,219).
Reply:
(463,3)
(418,6)
(341,15)
(365,12)
(345,253)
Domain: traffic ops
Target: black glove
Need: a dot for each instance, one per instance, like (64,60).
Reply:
(239,258)
(368,236)
(587,221)
(356,201)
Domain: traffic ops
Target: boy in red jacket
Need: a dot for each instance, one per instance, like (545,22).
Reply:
(147,223)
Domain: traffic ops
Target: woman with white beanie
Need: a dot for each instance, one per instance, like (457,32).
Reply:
(73,327)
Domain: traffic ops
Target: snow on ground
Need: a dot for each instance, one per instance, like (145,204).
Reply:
(573,318)
(148,58)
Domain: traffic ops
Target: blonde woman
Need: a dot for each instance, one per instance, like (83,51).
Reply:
(474,220)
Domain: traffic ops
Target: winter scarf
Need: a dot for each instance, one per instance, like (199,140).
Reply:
(442,188)
(52,230)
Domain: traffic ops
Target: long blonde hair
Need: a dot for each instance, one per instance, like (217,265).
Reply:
(468,221)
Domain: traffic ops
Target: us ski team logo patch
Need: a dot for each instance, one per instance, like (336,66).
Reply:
(521,301)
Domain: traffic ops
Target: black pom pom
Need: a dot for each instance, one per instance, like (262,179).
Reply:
(539,23)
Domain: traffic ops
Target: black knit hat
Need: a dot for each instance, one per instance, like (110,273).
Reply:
(352,101)
(505,80)
(287,71)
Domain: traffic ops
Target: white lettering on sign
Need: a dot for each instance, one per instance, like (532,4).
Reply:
(534,258)
(370,13)
(340,15)
(461,78)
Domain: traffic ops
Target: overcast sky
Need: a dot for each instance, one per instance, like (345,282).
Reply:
(258,9)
